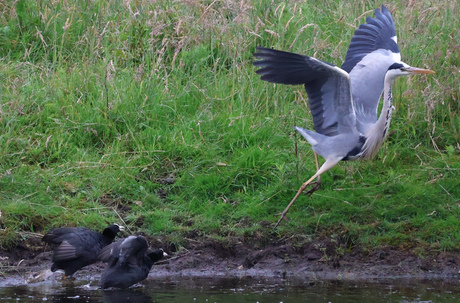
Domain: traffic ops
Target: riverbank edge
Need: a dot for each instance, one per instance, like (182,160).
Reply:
(310,263)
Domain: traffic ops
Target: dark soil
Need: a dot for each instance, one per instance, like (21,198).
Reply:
(320,260)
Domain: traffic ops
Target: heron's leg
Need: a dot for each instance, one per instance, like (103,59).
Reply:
(318,179)
(325,167)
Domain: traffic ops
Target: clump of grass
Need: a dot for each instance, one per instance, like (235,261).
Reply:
(151,115)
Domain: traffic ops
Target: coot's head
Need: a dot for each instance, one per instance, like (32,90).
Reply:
(157,255)
(112,231)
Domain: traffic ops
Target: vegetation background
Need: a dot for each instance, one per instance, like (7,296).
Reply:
(149,113)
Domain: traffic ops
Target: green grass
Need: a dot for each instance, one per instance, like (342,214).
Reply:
(102,104)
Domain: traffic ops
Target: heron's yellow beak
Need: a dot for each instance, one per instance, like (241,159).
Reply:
(416,70)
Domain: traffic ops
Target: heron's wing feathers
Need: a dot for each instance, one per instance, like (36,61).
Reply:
(378,33)
(327,86)
(373,49)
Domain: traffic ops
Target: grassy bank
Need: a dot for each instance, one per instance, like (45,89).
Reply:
(150,114)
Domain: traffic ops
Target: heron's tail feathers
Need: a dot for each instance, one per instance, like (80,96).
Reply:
(312,137)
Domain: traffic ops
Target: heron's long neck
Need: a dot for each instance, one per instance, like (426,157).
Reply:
(387,109)
(379,131)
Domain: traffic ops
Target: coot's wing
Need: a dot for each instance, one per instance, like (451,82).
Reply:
(110,253)
(65,251)
(57,235)
(132,248)
(71,242)
(83,242)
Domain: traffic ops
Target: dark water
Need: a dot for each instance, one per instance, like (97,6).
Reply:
(240,290)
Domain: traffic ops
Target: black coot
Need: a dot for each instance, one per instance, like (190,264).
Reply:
(77,247)
(129,262)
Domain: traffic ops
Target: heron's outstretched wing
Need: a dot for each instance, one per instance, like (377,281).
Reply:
(327,86)
(373,49)
(378,33)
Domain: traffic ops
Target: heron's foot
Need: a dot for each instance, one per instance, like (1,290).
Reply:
(282,217)
(316,186)
(300,191)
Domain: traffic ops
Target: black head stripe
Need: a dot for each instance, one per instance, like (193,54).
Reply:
(396,66)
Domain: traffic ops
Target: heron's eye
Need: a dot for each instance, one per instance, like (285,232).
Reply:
(396,66)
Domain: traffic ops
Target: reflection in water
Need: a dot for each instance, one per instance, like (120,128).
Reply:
(125,295)
(241,290)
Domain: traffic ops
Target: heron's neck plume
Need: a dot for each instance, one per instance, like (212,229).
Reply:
(379,131)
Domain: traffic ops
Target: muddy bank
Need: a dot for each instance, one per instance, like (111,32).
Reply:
(30,261)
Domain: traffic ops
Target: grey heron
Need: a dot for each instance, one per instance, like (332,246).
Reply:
(344,101)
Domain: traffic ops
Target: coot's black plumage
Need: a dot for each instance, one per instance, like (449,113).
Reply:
(129,262)
(77,247)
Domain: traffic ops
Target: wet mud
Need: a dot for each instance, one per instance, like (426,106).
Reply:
(30,262)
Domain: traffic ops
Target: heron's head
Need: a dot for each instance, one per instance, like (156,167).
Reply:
(402,69)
